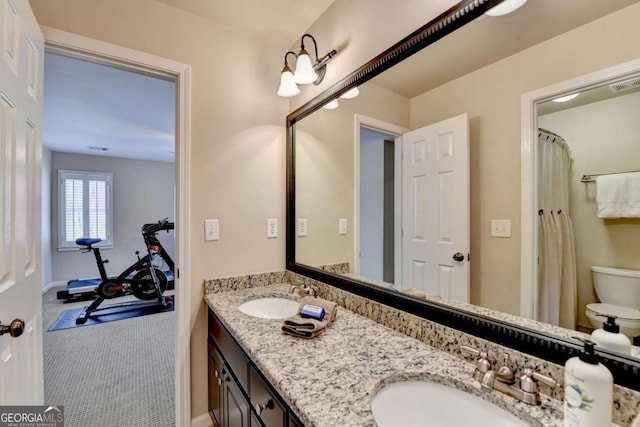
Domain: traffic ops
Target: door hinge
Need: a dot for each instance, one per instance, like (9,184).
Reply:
(177,273)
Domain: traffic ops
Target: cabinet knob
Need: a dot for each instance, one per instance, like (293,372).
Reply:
(260,408)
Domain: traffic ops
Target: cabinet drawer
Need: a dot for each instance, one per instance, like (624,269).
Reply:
(265,402)
(231,352)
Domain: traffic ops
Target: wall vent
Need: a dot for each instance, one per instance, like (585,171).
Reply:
(625,85)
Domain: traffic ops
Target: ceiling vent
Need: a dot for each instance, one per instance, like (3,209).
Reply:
(96,148)
(626,85)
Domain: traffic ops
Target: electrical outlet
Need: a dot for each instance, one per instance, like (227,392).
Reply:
(272,228)
(500,228)
(302,227)
(342,226)
(211,229)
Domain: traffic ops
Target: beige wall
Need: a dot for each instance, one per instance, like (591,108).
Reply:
(491,97)
(360,29)
(237,130)
(325,171)
(143,192)
(603,137)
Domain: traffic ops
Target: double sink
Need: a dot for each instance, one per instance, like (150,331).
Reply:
(406,401)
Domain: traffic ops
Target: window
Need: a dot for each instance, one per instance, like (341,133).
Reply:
(84,208)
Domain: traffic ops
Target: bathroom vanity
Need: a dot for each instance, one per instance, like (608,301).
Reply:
(259,376)
(238,393)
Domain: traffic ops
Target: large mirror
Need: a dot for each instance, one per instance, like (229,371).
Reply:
(351,182)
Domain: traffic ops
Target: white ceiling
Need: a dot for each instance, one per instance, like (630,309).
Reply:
(125,114)
(90,108)
(489,39)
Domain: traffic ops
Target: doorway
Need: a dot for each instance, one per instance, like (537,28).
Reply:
(377,202)
(529,204)
(141,62)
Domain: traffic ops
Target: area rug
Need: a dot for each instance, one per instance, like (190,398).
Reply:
(68,317)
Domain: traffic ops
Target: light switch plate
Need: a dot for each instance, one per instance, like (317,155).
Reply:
(500,228)
(342,226)
(272,228)
(302,227)
(211,229)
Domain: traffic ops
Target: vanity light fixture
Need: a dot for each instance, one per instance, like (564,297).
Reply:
(507,6)
(566,97)
(351,93)
(307,71)
(331,105)
(288,86)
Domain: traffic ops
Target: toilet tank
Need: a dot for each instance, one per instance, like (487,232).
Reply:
(617,286)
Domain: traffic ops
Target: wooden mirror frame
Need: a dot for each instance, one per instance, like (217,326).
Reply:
(626,371)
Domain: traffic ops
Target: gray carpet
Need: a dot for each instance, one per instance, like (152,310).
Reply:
(119,373)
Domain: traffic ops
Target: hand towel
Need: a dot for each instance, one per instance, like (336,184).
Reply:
(618,195)
(310,328)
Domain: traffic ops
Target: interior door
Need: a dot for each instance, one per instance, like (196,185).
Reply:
(435,209)
(21,80)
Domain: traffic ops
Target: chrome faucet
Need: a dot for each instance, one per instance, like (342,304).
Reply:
(304,290)
(523,388)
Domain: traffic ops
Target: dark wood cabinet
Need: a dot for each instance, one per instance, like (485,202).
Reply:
(228,405)
(266,402)
(215,386)
(239,395)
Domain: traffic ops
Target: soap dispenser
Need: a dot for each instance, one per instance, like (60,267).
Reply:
(588,393)
(609,336)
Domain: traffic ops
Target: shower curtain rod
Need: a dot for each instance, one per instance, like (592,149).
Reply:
(590,177)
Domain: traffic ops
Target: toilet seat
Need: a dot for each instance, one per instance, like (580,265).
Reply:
(622,313)
(627,318)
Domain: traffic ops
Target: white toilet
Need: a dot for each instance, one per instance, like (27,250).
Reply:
(619,292)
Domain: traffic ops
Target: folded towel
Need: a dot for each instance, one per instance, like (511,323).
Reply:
(618,195)
(304,327)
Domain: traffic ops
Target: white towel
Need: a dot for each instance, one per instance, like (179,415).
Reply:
(618,195)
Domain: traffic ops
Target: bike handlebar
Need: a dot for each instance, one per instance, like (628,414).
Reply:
(157,226)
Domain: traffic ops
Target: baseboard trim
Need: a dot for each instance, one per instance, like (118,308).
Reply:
(53,285)
(203,420)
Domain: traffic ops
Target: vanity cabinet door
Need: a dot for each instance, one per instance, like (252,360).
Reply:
(266,404)
(235,405)
(215,386)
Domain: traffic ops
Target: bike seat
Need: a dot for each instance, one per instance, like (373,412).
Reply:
(87,241)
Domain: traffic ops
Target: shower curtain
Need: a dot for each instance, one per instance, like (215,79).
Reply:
(557,286)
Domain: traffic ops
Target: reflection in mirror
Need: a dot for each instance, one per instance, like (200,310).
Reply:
(587,140)
(333,173)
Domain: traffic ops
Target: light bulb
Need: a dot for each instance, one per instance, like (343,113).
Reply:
(305,73)
(288,85)
(505,7)
(351,93)
(331,105)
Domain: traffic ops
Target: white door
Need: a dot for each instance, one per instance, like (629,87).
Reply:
(21,79)
(435,209)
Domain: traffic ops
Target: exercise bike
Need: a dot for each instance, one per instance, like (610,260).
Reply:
(85,289)
(141,279)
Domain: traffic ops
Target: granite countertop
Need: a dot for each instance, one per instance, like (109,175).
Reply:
(330,380)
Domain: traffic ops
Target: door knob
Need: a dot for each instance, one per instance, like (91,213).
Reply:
(15,328)
(458,257)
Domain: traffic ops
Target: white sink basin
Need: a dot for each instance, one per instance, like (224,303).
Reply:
(424,403)
(270,308)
